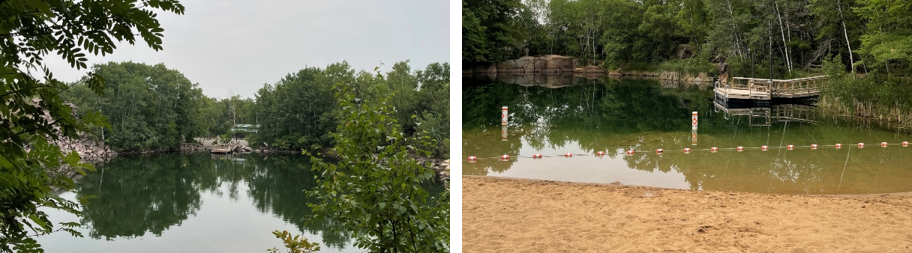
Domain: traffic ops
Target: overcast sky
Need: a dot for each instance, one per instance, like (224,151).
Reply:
(237,46)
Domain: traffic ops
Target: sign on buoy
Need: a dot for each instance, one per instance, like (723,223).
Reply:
(790,147)
(686,150)
(883,144)
(838,145)
(860,145)
(537,156)
(764,147)
(714,149)
(693,120)
(693,137)
(568,155)
(472,159)
(504,158)
(503,116)
(813,146)
(503,133)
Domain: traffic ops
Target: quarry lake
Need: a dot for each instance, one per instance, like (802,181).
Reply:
(196,203)
(615,116)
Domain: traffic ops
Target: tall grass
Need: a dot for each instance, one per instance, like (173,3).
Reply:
(876,96)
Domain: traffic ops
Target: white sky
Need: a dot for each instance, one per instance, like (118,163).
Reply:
(237,46)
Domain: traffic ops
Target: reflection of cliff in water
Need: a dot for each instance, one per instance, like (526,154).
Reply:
(547,80)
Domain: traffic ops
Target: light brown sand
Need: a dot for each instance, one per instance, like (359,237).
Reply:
(510,215)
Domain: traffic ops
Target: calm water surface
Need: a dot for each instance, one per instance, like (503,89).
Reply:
(196,203)
(644,115)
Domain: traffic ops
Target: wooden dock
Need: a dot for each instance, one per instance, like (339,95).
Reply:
(743,88)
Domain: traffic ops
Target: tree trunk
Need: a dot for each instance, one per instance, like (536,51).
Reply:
(846,34)
(788,61)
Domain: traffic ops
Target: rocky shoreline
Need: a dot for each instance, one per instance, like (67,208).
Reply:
(557,71)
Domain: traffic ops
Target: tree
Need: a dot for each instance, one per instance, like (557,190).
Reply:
(32,114)
(374,189)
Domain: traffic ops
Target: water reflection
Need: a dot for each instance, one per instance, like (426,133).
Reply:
(138,196)
(645,115)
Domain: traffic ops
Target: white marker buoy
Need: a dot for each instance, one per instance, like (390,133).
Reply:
(740,148)
(883,144)
(503,133)
(860,145)
(503,116)
(714,149)
(693,120)
(790,147)
(764,148)
(838,145)
(813,146)
(686,150)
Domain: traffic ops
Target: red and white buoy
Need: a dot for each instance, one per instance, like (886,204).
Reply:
(905,144)
(813,146)
(686,150)
(764,148)
(600,153)
(838,145)
(472,159)
(860,145)
(537,156)
(568,155)
(714,149)
(740,148)
(630,152)
(504,158)
(883,144)
(659,151)
(790,147)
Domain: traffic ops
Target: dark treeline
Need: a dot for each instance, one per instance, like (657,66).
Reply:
(156,108)
(794,37)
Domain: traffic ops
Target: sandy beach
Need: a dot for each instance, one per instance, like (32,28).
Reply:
(516,215)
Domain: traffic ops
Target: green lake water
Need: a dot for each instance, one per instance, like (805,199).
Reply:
(644,115)
(196,203)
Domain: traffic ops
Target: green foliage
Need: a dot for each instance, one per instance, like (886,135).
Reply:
(33,114)
(298,112)
(375,188)
(149,107)
(296,244)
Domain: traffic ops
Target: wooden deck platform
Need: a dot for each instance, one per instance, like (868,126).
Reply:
(743,88)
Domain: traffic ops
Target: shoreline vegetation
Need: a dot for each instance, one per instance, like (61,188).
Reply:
(560,216)
(862,45)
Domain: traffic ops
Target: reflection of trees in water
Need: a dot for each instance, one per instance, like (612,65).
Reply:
(554,118)
(618,115)
(134,195)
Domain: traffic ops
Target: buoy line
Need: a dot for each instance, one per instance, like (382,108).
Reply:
(659,151)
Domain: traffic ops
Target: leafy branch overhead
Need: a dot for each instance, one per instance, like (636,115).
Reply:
(33,115)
